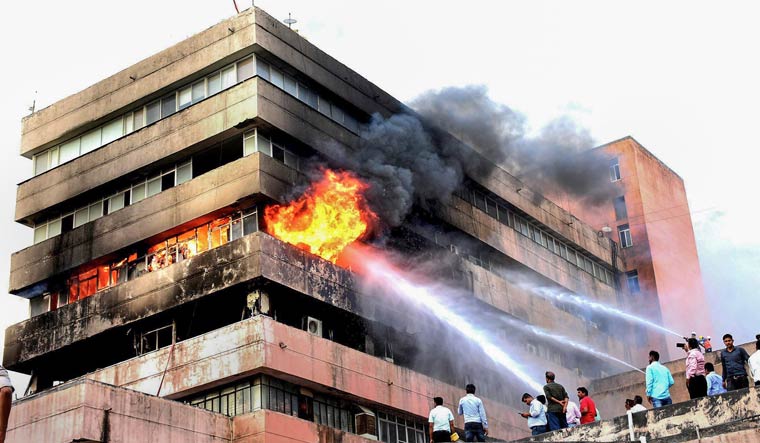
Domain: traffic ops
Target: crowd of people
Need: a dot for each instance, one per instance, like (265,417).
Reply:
(554,410)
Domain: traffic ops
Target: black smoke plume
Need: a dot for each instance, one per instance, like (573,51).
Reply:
(408,159)
(557,159)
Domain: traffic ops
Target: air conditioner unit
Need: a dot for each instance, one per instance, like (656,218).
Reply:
(366,424)
(314,326)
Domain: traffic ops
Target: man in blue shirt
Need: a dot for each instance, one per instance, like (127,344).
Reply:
(475,421)
(714,381)
(659,380)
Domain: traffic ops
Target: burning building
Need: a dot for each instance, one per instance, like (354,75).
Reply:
(167,202)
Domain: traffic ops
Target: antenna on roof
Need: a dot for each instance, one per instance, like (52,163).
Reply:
(290,21)
(34,103)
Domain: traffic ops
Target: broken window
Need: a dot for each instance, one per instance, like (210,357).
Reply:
(620,209)
(156,339)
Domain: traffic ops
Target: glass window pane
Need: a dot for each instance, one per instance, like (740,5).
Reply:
(250,224)
(116,202)
(245,69)
(40,233)
(262,69)
(277,78)
(54,228)
(96,210)
(323,106)
(113,130)
(291,160)
(129,123)
(337,114)
(278,153)
(168,105)
(41,163)
(139,119)
(228,77)
(199,91)
(307,96)
(152,112)
(138,192)
(69,150)
(185,97)
(53,157)
(154,186)
(90,141)
(81,217)
(249,143)
(290,86)
(214,84)
(184,172)
(236,229)
(263,144)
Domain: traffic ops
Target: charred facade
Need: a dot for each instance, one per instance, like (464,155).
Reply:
(151,268)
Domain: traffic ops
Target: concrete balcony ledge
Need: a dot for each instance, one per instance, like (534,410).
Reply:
(237,262)
(85,410)
(725,418)
(200,197)
(262,345)
(89,411)
(144,79)
(160,141)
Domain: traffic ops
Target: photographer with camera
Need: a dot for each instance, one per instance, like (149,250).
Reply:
(696,382)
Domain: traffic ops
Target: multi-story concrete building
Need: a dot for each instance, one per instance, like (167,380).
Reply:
(651,220)
(150,269)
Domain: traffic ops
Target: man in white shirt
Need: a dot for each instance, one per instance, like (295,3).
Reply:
(441,422)
(638,406)
(536,415)
(754,362)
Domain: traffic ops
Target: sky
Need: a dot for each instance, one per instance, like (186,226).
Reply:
(680,76)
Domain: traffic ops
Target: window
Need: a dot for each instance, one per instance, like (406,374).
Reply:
(156,339)
(152,112)
(614,170)
(199,91)
(394,429)
(620,211)
(625,236)
(245,69)
(90,141)
(185,97)
(113,130)
(169,105)
(228,77)
(214,84)
(307,96)
(633,282)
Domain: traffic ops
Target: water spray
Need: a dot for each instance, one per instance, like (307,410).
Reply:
(550,293)
(535,330)
(379,272)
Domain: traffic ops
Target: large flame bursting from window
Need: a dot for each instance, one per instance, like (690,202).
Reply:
(329,216)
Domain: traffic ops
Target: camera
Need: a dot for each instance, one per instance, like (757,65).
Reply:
(680,345)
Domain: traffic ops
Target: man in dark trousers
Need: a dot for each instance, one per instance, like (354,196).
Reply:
(556,398)
(475,420)
(734,360)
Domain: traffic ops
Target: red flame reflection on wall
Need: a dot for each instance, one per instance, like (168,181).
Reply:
(329,216)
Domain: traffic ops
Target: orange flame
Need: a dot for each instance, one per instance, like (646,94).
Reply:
(329,216)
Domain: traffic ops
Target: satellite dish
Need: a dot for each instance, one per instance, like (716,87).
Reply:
(290,21)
